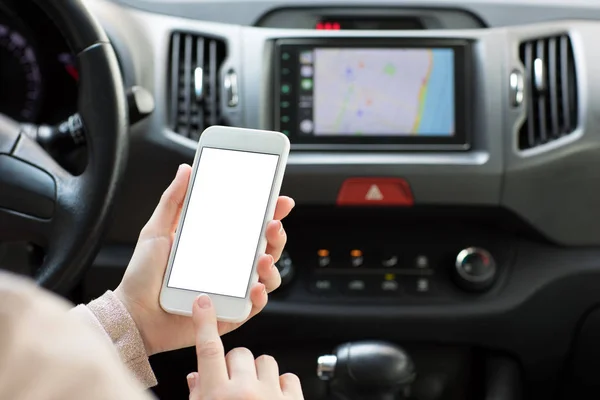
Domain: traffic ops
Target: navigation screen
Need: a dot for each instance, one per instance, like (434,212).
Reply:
(380,91)
(390,92)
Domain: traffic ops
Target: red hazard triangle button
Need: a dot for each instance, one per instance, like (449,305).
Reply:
(375,192)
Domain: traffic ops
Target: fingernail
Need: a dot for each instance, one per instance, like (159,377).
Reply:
(272,261)
(179,168)
(203,301)
(191,380)
(281,231)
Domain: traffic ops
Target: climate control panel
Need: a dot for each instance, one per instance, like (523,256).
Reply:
(369,272)
(401,273)
(426,266)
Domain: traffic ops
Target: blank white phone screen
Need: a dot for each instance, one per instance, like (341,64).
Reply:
(223,222)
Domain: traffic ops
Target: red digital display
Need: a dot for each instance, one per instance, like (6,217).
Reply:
(328,26)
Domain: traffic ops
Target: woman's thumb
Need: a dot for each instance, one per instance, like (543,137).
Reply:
(166,213)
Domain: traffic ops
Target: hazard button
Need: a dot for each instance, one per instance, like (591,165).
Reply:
(375,192)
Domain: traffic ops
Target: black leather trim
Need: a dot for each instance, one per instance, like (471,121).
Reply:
(79,27)
(86,202)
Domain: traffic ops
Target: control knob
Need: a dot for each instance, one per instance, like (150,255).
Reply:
(286,268)
(475,269)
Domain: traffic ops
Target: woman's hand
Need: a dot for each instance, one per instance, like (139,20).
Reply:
(238,376)
(140,288)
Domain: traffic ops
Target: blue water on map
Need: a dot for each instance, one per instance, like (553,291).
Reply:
(438,114)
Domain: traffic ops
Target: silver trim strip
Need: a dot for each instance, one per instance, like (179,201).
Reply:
(199,83)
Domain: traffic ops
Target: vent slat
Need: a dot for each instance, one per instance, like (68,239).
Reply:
(213,82)
(553,86)
(187,88)
(530,105)
(175,76)
(551,90)
(540,68)
(200,64)
(194,83)
(564,69)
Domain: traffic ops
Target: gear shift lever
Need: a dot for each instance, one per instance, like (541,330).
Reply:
(368,370)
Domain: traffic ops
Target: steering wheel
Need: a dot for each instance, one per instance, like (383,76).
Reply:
(42,203)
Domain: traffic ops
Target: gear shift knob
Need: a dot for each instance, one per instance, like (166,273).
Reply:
(367,370)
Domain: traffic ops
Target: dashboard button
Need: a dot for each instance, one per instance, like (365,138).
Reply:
(423,285)
(422,262)
(390,261)
(357,286)
(420,286)
(323,258)
(286,268)
(475,269)
(390,287)
(322,285)
(356,258)
(375,192)
(517,88)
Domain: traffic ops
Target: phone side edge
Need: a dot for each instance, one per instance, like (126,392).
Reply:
(163,302)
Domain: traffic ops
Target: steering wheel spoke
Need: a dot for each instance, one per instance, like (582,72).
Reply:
(9,134)
(33,186)
(30,152)
(19,227)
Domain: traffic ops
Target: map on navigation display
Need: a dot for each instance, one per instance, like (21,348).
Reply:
(383,92)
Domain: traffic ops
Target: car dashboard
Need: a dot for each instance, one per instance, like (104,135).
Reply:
(469,236)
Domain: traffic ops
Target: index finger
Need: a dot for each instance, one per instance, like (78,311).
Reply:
(212,368)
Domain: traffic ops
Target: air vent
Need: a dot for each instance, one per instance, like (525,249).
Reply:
(551,90)
(194,84)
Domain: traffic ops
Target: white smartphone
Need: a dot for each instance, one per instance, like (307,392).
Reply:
(233,191)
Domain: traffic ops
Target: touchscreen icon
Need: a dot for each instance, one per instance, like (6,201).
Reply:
(307,84)
(306,57)
(306,71)
(306,126)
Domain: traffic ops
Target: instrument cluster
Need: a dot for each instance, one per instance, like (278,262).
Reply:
(38,73)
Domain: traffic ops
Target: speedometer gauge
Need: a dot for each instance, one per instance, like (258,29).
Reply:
(20,77)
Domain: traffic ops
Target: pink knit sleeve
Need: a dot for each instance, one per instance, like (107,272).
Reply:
(108,314)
